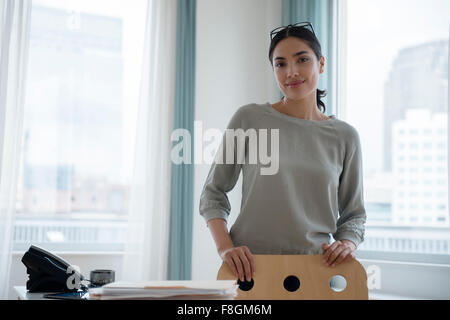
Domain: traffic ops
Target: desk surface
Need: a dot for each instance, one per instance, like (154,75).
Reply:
(23,294)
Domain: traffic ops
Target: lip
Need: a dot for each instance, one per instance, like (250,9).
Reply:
(295,84)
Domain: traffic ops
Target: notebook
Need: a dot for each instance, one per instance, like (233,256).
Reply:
(169,289)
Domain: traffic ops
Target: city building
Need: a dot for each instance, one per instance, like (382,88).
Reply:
(419,158)
(418,79)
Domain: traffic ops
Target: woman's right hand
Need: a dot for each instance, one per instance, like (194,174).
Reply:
(240,260)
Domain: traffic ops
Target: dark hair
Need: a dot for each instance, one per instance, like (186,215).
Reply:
(306,35)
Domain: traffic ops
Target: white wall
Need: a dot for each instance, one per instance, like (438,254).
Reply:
(232,69)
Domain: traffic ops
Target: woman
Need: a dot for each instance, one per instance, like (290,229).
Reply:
(318,189)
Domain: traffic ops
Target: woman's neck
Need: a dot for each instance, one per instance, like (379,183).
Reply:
(302,109)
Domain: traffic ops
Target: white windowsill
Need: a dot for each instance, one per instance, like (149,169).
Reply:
(385,296)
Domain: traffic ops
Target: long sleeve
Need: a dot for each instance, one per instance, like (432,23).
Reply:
(352,214)
(222,178)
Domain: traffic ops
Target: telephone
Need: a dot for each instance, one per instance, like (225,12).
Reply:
(49,273)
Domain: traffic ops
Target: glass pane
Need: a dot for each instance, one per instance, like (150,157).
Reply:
(80,111)
(397,99)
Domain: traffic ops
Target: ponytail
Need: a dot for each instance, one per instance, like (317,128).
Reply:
(320,103)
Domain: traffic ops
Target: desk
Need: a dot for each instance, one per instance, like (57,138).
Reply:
(23,294)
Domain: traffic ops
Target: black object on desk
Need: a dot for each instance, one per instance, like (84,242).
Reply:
(79,295)
(48,272)
(100,277)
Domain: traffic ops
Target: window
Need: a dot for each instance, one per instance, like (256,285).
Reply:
(80,112)
(396,96)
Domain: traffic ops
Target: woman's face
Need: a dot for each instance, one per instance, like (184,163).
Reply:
(293,62)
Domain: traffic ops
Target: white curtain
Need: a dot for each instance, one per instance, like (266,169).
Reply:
(14,36)
(148,233)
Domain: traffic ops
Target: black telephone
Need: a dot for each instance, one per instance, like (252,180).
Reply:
(48,272)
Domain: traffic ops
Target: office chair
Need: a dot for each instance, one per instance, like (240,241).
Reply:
(300,277)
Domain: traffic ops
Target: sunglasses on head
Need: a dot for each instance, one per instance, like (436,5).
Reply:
(306,24)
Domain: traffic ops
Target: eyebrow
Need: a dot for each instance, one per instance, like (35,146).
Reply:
(294,55)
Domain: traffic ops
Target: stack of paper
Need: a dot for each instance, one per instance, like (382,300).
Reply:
(184,289)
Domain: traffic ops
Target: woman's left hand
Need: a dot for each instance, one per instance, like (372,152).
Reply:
(338,252)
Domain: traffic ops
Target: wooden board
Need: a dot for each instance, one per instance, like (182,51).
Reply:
(313,275)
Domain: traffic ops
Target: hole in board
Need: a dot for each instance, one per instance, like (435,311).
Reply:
(338,283)
(291,283)
(245,285)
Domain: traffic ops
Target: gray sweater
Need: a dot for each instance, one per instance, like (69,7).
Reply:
(316,191)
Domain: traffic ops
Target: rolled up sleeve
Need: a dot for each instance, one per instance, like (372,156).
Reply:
(221,179)
(352,214)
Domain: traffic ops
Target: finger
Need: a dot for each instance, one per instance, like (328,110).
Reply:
(342,256)
(335,254)
(229,261)
(330,250)
(325,248)
(228,258)
(251,259)
(246,264)
(351,256)
(238,264)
